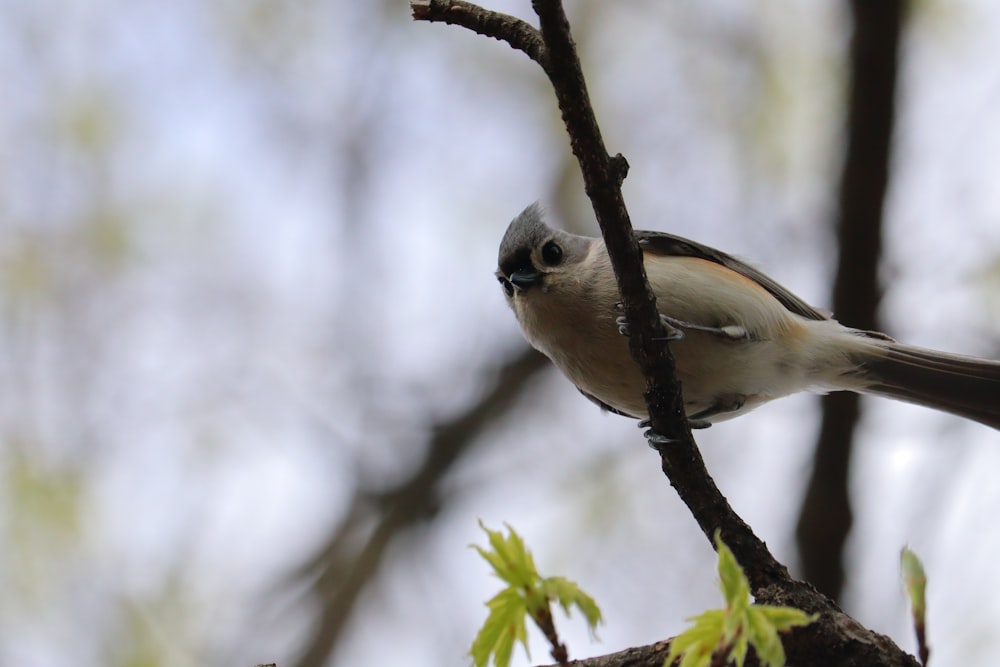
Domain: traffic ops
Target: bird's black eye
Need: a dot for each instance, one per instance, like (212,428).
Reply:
(552,253)
(507,287)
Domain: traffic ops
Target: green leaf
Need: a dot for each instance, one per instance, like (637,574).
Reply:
(509,558)
(915,581)
(738,626)
(699,641)
(696,659)
(569,594)
(735,586)
(738,652)
(503,627)
(527,594)
(785,618)
(764,638)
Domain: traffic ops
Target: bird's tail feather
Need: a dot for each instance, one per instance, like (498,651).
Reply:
(965,386)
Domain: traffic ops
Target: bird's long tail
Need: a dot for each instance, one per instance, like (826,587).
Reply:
(965,386)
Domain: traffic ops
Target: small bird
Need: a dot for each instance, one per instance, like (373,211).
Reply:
(739,339)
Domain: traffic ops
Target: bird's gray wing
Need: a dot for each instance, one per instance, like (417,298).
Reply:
(661,243)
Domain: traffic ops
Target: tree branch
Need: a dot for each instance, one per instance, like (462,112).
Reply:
(835,639)
(503,27)
(602,175)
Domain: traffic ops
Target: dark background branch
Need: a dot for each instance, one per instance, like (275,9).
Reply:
(352,557)
(825,517)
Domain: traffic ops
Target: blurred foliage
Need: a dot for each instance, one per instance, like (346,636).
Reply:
(47,523)
(25,272)
(85,122)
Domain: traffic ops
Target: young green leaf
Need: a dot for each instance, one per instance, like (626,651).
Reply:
(568,595)
(503,627)
(510,560)
(697,643)
(735,587)
(915,581)
(527,595)
(738,626)
(763,636)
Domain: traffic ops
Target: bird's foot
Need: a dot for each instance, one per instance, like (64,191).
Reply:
(673,333)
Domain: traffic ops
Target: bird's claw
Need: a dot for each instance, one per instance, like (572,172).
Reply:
(657,441)
(673,333)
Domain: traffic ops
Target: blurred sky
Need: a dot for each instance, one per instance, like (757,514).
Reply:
(246,262)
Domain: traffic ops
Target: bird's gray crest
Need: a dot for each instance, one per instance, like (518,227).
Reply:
(524,233)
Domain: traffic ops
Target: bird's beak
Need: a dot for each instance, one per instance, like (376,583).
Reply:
(525,278)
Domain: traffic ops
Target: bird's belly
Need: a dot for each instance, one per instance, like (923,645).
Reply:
(718,374)
(713,372)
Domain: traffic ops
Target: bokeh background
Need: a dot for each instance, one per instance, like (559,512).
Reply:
(258,382)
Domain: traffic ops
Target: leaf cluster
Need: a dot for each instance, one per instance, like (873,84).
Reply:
(725,634)
(527,594)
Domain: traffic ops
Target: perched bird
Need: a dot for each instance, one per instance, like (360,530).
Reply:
(739,339)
